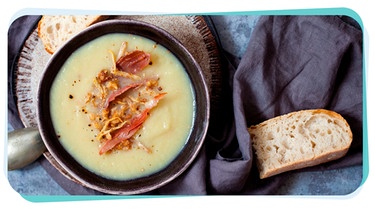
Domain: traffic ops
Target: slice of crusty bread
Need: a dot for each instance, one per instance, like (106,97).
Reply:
(299,139)
(55,30)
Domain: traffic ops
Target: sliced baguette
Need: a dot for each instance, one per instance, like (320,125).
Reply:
(55,30)
(299,139)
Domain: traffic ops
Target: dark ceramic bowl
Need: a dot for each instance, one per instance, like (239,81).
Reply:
(138,185)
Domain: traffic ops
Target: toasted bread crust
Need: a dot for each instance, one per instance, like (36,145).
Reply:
(53,36)
(299,139)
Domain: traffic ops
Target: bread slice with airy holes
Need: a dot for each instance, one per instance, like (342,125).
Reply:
(299,139)
(55,30)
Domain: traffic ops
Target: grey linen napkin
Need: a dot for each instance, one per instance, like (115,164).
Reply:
(301,62)
(291,63)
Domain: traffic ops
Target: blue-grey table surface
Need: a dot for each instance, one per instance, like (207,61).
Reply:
(234,32)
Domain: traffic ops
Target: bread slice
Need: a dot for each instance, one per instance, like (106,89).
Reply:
(299,139)
(55,30)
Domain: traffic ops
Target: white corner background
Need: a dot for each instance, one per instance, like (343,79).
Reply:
(363,196)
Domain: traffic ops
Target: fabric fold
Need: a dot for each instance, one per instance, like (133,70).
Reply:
(292,63)
(302,62)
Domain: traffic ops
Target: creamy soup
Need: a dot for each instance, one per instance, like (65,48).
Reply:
(165,130)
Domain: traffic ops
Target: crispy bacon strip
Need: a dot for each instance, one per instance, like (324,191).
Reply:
(119,92)
(124,133)
(128,130)
(134,61)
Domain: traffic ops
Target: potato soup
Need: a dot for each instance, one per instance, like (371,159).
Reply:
(167,112)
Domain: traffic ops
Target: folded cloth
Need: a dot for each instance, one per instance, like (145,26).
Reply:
(301,62)
(291,63)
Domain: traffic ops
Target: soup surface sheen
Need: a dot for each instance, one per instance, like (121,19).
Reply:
(165,131)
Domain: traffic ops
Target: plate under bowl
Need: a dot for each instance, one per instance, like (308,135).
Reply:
(195,139)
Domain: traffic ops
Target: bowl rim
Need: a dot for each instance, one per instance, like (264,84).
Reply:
(201,98)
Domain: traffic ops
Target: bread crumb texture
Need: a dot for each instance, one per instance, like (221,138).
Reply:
(299,139)
(55,30)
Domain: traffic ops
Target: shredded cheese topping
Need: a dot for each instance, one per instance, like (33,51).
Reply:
(120,101)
